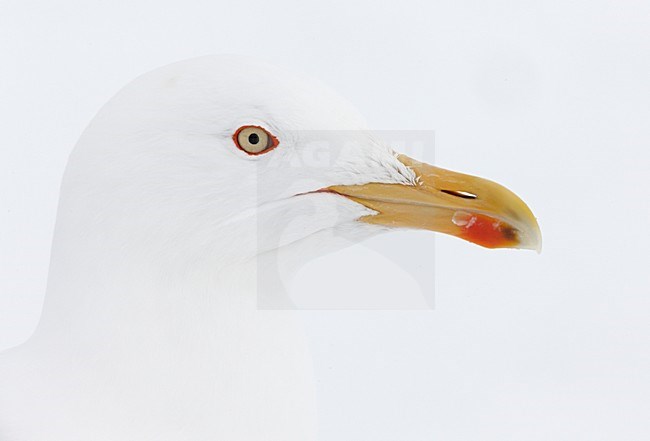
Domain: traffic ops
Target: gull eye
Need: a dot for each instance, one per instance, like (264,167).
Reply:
(254,140)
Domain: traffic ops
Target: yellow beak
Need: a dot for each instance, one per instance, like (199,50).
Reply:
(468,207)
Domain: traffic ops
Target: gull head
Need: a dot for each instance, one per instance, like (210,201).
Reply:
(224,156)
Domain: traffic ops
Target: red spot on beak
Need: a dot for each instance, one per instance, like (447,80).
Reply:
(484,230)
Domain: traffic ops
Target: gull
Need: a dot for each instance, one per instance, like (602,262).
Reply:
(175,191)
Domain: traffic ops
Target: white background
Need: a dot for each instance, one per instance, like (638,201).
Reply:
(550,98)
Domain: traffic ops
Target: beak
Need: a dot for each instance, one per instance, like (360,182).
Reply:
(468,207)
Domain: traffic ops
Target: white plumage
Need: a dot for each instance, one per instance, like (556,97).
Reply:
(150,329)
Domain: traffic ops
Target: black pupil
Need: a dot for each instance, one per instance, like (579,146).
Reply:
(253,138)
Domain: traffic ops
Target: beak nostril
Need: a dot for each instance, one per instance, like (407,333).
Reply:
(460,194)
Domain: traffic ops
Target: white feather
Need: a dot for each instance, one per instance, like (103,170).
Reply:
(150,329)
